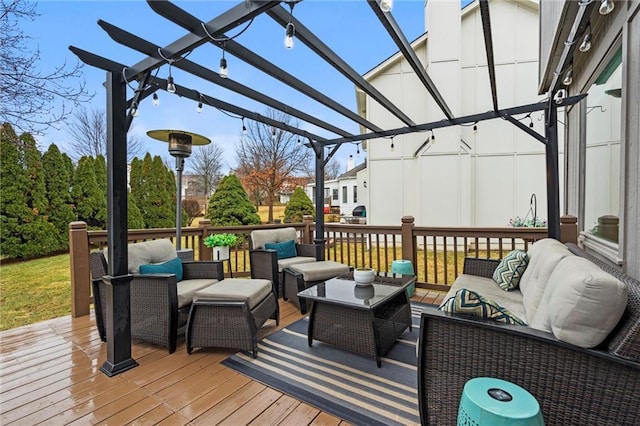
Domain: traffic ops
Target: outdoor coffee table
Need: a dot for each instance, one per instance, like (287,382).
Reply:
(361,319)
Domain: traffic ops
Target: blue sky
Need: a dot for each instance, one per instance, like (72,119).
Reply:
(350,28)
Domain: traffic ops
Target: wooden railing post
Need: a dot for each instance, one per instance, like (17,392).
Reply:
(205,253)
(307,233)
(408,241)
(80,275)
(569,229)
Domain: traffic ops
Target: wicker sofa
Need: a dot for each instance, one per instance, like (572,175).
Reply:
(574,385)
(159,303)
(265,262)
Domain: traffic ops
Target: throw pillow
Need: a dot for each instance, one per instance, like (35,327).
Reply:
(510,269)
(466,301)
(285,249)
(173,266)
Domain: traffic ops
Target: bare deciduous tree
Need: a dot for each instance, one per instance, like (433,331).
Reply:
(206,161)
(33,98)
(268,156)
(89,132)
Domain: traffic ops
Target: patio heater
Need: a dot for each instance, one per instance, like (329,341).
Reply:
(180,143)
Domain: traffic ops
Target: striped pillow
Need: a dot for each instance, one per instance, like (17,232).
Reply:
(466,301)
(510,269)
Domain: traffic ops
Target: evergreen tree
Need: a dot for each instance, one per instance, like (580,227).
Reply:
(153,191)
(14,211)
(230,205)
(90,200)
(134,217)
(57,179)
(298,206)
(24,231)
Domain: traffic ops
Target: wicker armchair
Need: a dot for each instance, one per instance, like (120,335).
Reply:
(265,263)
(159,304)
(574,386)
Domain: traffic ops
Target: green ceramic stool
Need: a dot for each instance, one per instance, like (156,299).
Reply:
(493,402)
(404,267)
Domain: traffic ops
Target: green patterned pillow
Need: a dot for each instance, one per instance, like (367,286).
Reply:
(469,302)
(510,269)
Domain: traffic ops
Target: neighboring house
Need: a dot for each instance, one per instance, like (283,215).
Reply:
(192,189)
(290,185)
(602,183)
(462,177)
(343,193)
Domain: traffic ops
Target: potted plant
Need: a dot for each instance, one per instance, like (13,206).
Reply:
(220,244)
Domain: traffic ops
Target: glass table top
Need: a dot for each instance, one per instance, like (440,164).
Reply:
(345,291)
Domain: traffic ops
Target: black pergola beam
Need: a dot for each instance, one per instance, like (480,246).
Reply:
(525,129)
(403,44)
(233,109)
(226,21)
(303,34)
(137,43)
(488,45)
(192,24)
(523,109)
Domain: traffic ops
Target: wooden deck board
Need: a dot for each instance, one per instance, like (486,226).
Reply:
(49,374)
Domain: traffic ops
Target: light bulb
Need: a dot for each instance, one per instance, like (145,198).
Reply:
(244,130)
(386,5)
(568,77)
(392,145)
(586,43)
(531,123)
(199,108)
(224,72)
(475,128)
(358,152)
(134,109)
(156,101)
(171,87)
(288,35)
(299,142)
(606,7)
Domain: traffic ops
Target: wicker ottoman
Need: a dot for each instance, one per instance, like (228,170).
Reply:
(304,275)
(229,313)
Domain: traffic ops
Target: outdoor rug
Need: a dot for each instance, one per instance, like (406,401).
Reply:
(347,385)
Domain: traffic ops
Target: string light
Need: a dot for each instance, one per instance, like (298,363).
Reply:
(386,5)
(358,151)
(244,128)
(290,29)
(171,87)
(199,108)
(433,137)
(134,109)
(606,7)
(475,127)
(392,145)
(568,77)
(224,71)
(156,101)
(586,41)
(299,142)
(530,121)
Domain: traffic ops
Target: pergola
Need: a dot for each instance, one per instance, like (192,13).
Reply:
(120,114)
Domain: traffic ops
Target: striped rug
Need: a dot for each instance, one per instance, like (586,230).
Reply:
(347,385)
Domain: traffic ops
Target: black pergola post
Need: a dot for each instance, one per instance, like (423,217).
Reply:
(118,315)
(553,181)
(319,234)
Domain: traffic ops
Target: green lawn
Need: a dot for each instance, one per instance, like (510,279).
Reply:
(34,290)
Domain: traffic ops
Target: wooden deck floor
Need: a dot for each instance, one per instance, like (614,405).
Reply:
(49,374)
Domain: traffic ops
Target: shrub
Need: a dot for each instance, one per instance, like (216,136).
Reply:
(299,205)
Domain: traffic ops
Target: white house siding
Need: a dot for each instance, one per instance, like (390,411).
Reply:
(490,176)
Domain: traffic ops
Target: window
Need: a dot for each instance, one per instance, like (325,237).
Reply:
(335,194)
(344,194)
(602,157)
(355,193)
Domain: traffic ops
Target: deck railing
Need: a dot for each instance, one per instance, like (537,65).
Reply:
(437,253)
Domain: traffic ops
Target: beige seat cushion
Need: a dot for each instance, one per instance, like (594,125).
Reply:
(155,251)
(581,304)
(286,263)
(260,237)
(544,256)
(316,271)
(511,300)
(188,288)
(252,291)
